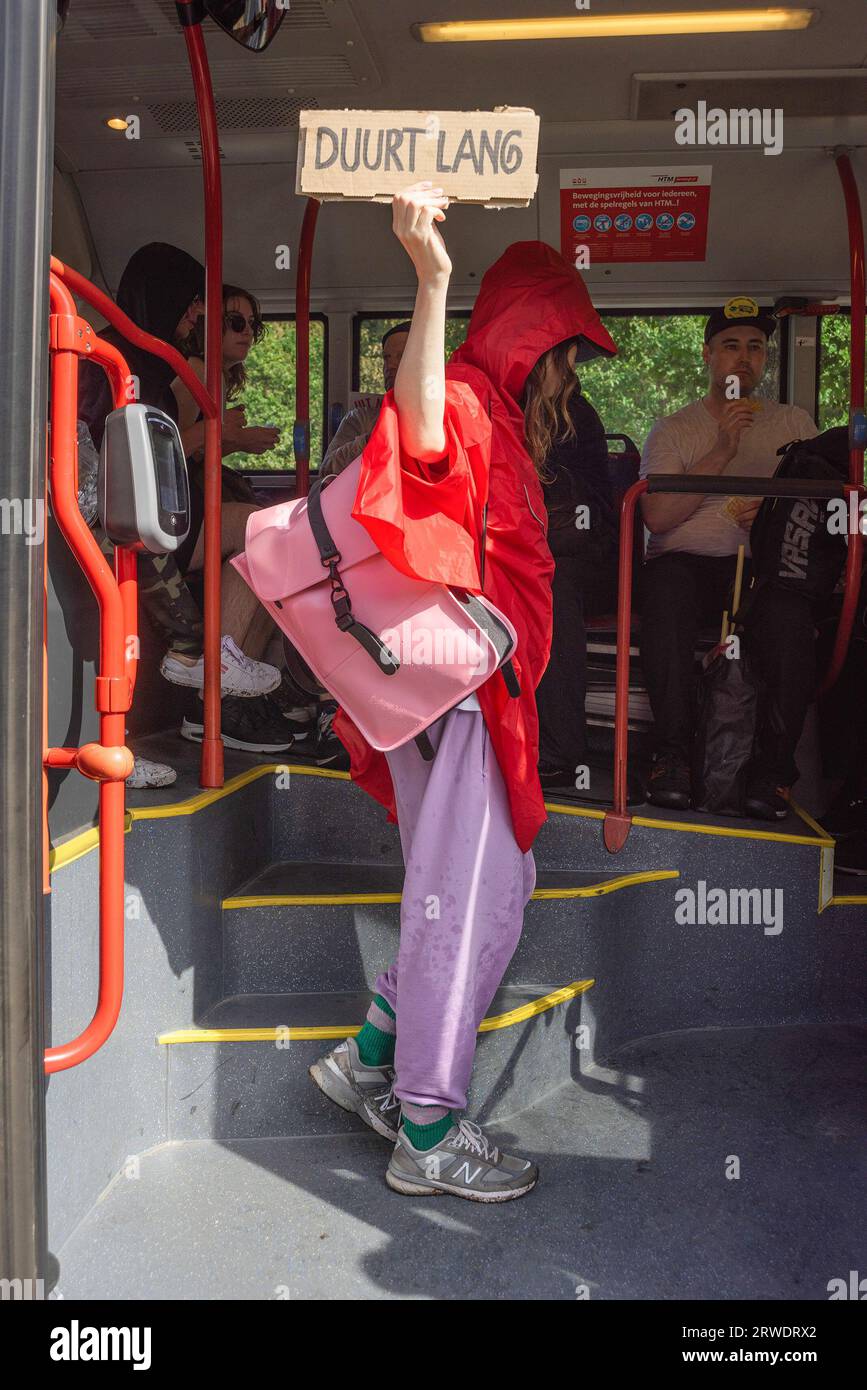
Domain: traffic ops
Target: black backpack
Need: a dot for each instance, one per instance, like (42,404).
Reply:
(791,545)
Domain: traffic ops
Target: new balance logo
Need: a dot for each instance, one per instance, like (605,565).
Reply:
(465,1169)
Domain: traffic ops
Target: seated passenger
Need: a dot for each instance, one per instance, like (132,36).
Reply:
(566,441)
(257,724)
(357,424)
(691,559)
(161,290)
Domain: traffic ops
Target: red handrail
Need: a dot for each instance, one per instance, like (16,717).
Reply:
(856,403)
(301,431)
(211,774)
(109,761)
(137,336)
(618,821)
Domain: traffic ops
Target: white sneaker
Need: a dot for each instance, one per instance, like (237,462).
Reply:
(238,674)
(148,774)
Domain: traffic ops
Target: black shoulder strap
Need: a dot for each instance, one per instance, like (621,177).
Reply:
(340,600)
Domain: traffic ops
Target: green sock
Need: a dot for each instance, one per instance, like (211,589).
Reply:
(427,1136)
(375,1045)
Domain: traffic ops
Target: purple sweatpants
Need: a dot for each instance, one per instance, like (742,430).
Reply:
(465,889)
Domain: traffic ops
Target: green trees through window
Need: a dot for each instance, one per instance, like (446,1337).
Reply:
(834,371)
(269,393)
(658,369)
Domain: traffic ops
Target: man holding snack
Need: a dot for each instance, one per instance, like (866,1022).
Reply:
(692,553)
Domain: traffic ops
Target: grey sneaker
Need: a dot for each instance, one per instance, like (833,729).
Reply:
(367,1091)
(464,1163)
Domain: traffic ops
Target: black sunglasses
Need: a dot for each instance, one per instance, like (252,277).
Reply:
(238,322)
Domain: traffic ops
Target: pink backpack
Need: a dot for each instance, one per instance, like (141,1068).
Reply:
(395,652)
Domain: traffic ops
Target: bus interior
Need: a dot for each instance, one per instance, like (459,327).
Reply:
(639,1053)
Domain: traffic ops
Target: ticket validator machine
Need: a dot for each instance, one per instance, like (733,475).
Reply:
(142,488)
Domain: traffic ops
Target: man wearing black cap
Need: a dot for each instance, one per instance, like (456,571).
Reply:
(357,424)
(692,553)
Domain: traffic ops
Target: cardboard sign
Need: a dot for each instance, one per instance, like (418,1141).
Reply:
(644,214)
(486,157)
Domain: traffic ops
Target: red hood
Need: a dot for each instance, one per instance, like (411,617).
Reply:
(529,300)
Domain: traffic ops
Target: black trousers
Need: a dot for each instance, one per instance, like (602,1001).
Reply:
(683,593)
(561,692)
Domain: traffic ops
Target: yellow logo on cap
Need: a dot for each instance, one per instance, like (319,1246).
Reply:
(741,308)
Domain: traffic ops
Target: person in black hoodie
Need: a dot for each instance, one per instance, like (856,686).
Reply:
(566,440)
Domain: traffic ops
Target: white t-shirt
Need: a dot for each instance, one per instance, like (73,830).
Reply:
(678,441)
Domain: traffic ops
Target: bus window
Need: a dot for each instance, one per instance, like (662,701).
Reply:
(833,371)
(269,392)
(367,337)
(658,369)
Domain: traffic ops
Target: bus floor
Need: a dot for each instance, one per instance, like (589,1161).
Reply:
(697,1165)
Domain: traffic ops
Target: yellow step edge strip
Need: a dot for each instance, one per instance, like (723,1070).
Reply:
(848,900)
(488,1025)
(649,822)
(589,890)
(78,845)
(732,832)
(207,797)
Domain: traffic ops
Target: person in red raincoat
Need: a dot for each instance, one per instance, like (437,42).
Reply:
(448,442)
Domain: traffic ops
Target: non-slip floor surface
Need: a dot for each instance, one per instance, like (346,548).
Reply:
(698,1165)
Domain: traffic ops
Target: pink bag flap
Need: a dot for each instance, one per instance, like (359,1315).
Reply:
(282,557)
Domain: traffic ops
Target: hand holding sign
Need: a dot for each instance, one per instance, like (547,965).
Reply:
(414,212)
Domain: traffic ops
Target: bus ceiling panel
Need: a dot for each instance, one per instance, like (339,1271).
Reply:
(583,79)
(363,52)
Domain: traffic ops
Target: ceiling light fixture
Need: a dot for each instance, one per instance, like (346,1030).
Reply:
(117,123)
(587,26)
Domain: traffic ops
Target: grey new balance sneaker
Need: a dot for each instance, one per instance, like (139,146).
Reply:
(464,1163)
(367,1091)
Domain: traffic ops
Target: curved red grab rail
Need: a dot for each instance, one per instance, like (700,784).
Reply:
(301,431)
(109,761)
(137,336)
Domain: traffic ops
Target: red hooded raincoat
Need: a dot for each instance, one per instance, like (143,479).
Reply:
(529,300)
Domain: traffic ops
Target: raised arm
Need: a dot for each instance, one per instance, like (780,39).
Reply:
(419,389)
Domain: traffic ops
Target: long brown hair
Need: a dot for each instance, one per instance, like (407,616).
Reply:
(547,419)
(236,376)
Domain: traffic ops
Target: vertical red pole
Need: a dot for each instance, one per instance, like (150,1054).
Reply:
(618,821)
(856,411)
(301,432)
(212,745)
